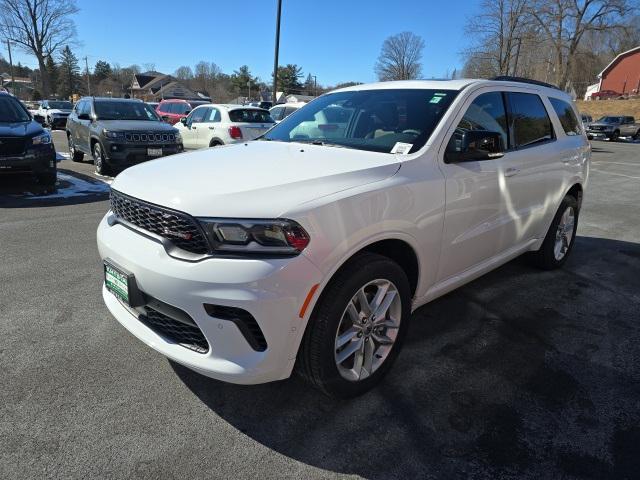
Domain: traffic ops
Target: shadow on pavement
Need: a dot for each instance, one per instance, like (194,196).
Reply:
(20,191)
(521,373)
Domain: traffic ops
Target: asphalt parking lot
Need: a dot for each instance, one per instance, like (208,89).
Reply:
(520,374)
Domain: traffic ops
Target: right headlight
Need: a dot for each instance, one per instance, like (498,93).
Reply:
(266,237)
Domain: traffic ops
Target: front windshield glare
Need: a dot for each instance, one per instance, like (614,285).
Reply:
(11,111)
(114,110)
(374,120)
(61,105)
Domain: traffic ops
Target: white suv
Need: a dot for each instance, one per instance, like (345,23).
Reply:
(312,246)
(213,125)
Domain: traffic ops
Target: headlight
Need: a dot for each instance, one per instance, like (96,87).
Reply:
(113,135)
(279,237)
(42,139)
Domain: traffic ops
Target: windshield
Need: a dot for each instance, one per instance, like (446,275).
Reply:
(611,120)
(11,111)
(374,120)
(250,115)
(61,105)
(114,110)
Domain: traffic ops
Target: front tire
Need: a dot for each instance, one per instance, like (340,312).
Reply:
(99,160)
(615,136)
(357,328)
(560,238)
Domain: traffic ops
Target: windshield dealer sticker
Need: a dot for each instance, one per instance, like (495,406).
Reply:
(402,148)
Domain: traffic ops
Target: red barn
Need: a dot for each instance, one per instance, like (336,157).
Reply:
(622,75)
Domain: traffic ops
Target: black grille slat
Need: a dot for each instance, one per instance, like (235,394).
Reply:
(10,146)
(181,229)
(150,137)
(188,336)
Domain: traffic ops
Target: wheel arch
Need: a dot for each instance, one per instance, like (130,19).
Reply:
(576,190)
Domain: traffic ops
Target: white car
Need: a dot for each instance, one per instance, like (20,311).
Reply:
(283,110)
(212,125)
(54,112)
(312,251)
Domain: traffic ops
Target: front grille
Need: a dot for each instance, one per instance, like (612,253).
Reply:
(11,146)
(181,229)
(188,336)
(140,137)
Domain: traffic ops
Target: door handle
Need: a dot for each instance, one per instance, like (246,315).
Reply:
(212,128)
(511,171)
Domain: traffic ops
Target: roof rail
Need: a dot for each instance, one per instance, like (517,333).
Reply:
(507,78)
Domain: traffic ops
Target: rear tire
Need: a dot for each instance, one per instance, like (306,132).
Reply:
(215,143)
(560,238)
(76,155)
(636,137)
(349,344)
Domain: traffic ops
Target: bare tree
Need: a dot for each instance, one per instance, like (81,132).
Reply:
(400,57)
(564,24)
(499,31)
(39,27)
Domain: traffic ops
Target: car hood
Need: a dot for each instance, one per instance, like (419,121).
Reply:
(22,129)
(252,180)
(136,125)
(56,110)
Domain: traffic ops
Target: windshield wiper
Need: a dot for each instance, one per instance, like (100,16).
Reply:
(323,143)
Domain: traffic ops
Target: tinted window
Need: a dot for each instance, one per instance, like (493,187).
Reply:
(11,110)
(530,123)
(182,108)
(567,117)
(375,120)
(60,105)
(629,119)
(485,113)
(288,111)
(198,115)
(247,115)
(132,110)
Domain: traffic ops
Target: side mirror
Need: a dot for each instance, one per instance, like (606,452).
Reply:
(183,120)
(187,112)
(589,137)
(473,146)
(84,116)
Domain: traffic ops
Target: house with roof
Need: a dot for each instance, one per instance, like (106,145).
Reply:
(622,75)
(155,86)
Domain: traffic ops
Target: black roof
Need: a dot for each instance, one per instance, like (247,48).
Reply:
(507,78)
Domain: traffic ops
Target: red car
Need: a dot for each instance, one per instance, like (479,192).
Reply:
(604,94)
(171,111)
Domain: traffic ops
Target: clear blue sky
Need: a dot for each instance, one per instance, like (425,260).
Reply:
(336,40)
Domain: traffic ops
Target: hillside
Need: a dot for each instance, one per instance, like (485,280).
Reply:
(600,108)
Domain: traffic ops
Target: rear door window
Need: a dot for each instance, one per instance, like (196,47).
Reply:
(529,120)
(567,116)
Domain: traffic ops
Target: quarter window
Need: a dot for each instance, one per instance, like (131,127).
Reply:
(530,123)
(213,116)
(567,117)
(485,113)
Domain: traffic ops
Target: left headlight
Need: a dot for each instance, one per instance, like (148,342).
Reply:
(42,139)
(242,237)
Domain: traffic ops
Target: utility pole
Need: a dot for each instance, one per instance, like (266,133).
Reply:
(275,57)
(86,64)
(13,80)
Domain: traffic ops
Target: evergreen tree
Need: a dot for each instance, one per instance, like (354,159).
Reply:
(52,71)
(102,70)
(310,85)
(68,73)
(289,78)
(240,80)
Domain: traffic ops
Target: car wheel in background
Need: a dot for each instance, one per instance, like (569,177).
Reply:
(99,160)
(215,143)
(75,155)
(560,238)
(615,136)
(637,135)
(357,327)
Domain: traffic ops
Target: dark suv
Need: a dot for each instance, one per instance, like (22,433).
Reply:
(25,147)
(118,133)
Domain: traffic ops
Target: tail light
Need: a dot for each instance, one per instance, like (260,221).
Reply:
(235,132)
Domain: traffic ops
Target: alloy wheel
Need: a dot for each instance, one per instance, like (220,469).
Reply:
(367,330)
(564,233)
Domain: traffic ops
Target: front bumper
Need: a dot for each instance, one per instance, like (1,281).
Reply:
(271,290)
(600,134)
(124,155)
(35,160)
